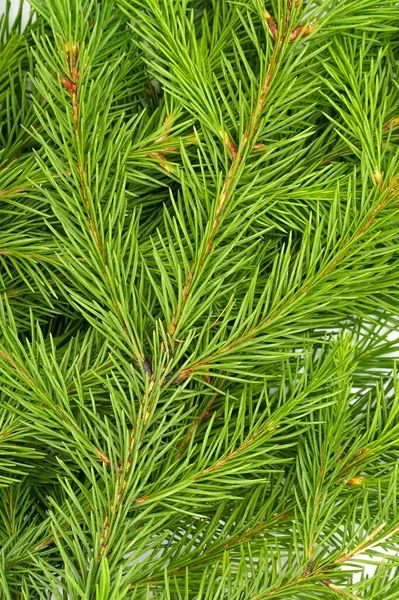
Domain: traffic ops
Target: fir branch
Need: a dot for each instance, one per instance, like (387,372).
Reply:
(199,277)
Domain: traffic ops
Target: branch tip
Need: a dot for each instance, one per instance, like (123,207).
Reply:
(271,24)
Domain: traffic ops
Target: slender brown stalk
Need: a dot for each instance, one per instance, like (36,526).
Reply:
(71,84)
(238,155)
(124,469)
(391,192)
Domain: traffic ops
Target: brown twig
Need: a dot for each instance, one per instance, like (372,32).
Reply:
(71,84)
(19,370)
(161,160)
(204,416)
(369,543)
(228,184)
(15,192)
(188,371)
(339,590)
(249,534)
(124,469)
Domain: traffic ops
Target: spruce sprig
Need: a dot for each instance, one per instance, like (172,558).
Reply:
(199,272)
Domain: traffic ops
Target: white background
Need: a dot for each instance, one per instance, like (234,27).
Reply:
(14,8)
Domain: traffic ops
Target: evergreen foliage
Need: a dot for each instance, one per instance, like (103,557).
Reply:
(199,287)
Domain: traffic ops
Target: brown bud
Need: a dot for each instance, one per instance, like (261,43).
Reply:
(161,160)
(230,145)
(356,481)
(101,456)
(69,85)
(302,30)
(142,499)
(393,123)
(271,23)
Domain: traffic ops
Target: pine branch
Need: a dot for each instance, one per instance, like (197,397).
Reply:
(199,277)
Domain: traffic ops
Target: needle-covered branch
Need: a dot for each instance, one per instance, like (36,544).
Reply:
(199,300)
